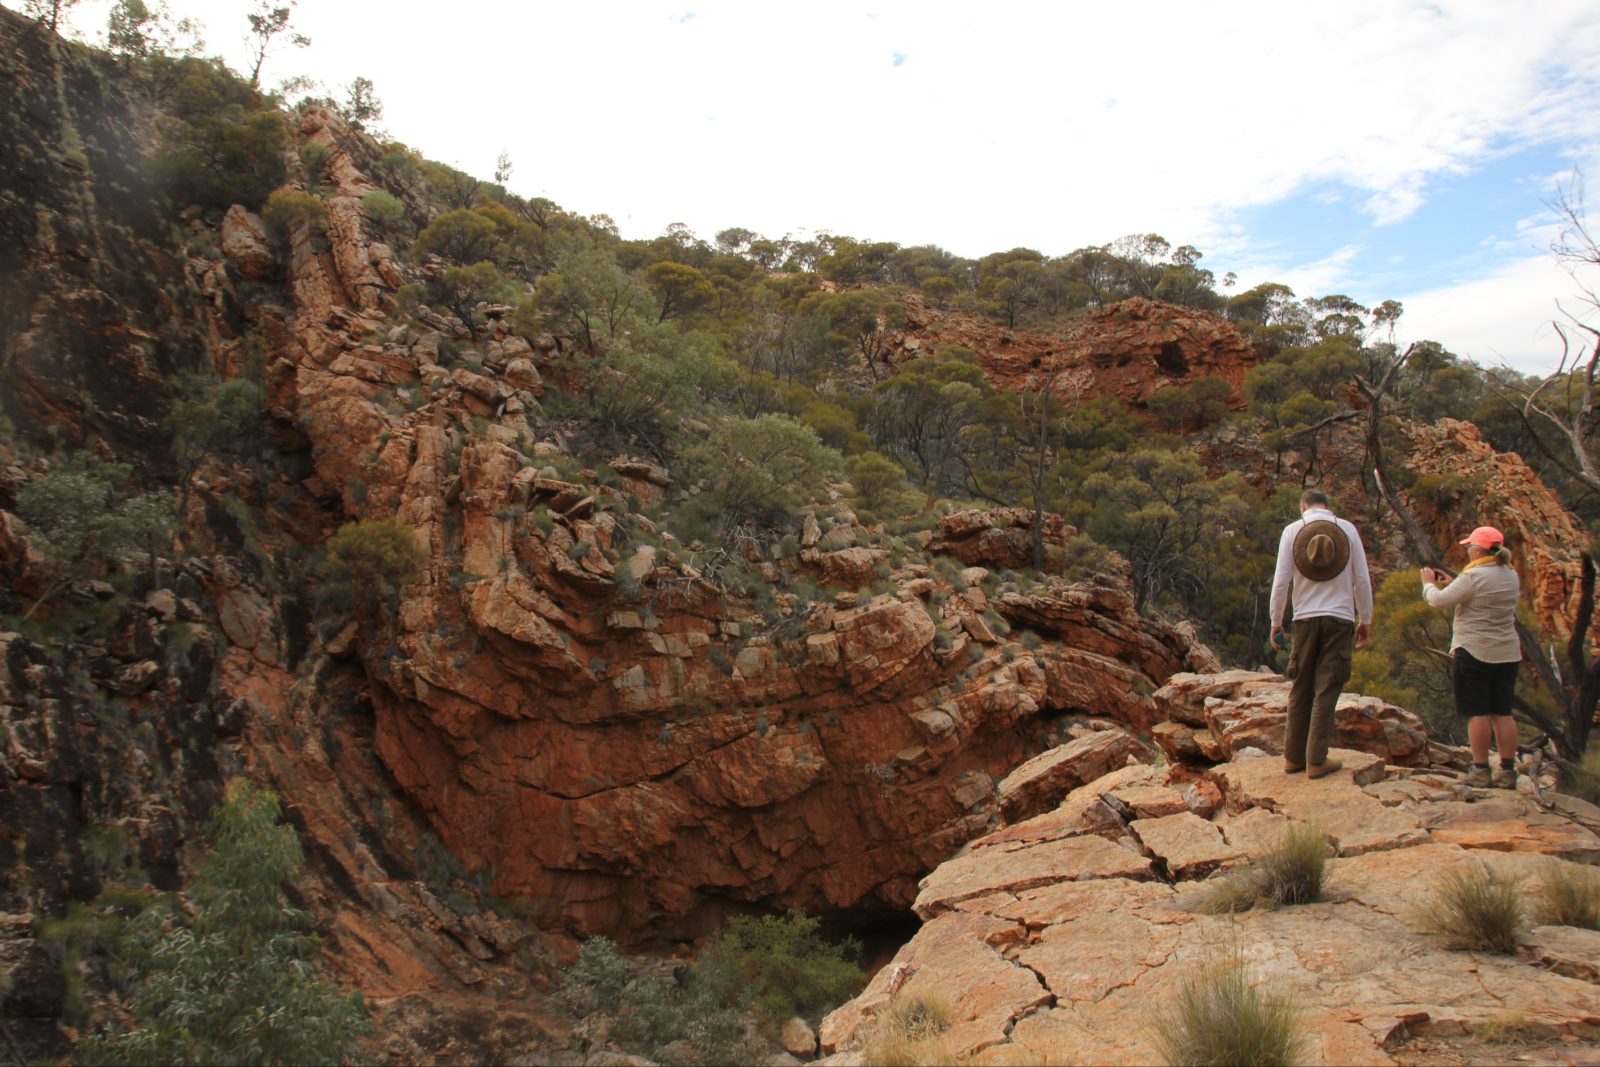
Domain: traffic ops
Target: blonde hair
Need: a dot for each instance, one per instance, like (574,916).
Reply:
(1499,553)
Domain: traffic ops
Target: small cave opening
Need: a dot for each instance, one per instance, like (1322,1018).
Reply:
(1170,359)
(881,932)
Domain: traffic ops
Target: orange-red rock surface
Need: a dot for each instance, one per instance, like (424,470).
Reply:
(1054,940)
(1129,350)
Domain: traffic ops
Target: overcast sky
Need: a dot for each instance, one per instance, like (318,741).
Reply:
(1384,149)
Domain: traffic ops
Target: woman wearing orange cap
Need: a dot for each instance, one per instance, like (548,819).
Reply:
(1484,646)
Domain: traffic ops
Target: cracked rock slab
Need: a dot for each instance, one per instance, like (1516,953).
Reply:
(1355,821)
(982,871)
(1189,846)
(955,958)
(1566,950)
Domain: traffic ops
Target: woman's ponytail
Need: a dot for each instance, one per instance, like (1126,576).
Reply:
(1502,555)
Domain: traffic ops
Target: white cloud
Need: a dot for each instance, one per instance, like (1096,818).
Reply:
(1504,318)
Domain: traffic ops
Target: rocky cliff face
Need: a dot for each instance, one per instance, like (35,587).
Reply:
(584,713)
(97,308)
(1129,350)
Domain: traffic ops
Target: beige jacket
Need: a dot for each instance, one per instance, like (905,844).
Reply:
(1485,602)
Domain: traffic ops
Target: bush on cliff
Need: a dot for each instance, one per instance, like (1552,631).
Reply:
(365,566)
(288,209)
(758,472)
(82,518)
(220,145)
(229,975)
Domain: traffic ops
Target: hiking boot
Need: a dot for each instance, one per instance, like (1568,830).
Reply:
(1323,769)
(1504,779)
(1478,777)
(1290,767)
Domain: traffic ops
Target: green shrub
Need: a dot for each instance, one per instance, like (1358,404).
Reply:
(1476,909)
(1220,1016)
(220,146)
(80,520)
(597,981)
(1568,895)
(287,209)
(782,964)
(365,566)
(385,212)
(237,982)
(650,1014)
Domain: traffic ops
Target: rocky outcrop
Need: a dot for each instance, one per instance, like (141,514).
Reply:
(1129,350)
(1213,717)
(1000,537)
(1050,940)
(1544,537)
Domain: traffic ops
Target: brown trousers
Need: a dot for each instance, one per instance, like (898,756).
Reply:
(1320,665)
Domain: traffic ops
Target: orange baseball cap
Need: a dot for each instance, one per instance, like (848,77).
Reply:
(1485,537)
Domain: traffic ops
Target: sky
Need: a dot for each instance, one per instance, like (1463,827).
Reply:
(1383,149)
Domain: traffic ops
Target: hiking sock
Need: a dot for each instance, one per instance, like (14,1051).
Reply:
(1481,766)
(1507,764)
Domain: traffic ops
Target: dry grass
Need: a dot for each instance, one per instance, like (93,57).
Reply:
(911,1034)
(1584,783)
(1220,1016)
(1568,895)
(1476,909)
(1291,873)
(1508,1029)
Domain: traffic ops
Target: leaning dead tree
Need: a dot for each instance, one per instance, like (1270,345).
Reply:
(1561,412)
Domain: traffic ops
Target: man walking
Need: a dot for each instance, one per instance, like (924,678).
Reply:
(1322,563)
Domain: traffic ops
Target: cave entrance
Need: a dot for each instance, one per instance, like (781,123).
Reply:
(881,931)
(1170,359)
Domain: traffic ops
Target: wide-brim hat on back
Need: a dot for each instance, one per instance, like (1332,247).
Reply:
(1321,550)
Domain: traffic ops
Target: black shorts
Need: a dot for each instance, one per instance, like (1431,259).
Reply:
(1483,688)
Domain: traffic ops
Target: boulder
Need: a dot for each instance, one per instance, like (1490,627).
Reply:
(798,1038)
(1042,782)
(244,240)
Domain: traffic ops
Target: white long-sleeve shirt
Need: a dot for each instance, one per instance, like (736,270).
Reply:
(1485,600)
(1347,595)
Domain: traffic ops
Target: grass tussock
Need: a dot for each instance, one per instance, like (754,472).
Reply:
(912,1034)
(1508,1029)
(1476,909)
(1568,895)
(1292,873)
(1221,1016)
(1584,782)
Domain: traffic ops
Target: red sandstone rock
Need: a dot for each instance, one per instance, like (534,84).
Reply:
(244,240)
(1129,350)
(1043,781)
